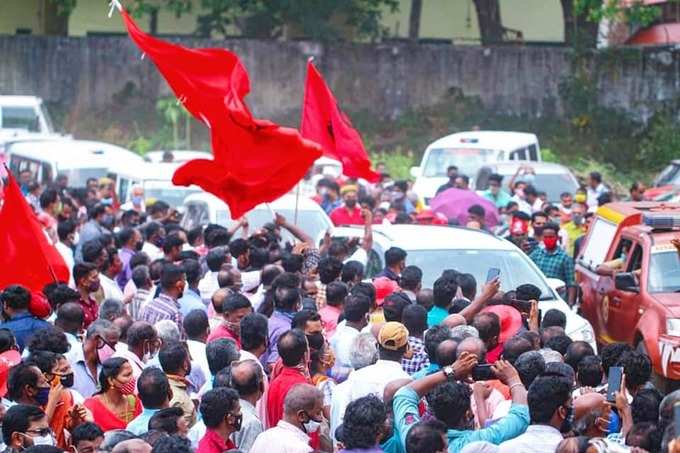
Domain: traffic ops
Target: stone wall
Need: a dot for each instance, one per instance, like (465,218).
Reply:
(83,75)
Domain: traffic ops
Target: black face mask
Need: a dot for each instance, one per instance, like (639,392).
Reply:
(139,245)
(568,421)
(67,380)
(238,421)
(316,341)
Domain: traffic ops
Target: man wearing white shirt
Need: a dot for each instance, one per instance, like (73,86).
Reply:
(143,343)
(393,346)
(355,310)
(552,413)
(208,284)
(197,329)
(155,234)
(594,190)
(254,336)
(67,235)
(302,415)
(70,319)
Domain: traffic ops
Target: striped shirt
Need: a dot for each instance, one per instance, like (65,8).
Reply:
(161,308)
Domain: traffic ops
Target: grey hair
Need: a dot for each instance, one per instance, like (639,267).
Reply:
(100,327)
(550,355)
(302,397)
(464,332)
(111,309)
(479,344)
(112,438)
(167,330)
(364,351)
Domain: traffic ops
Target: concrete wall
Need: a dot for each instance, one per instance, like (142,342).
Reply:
(83,75)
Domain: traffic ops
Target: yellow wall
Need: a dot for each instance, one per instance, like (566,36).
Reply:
(539,20)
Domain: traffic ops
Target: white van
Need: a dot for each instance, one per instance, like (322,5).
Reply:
(178,155)
(469,151)
(79,160)
(157,184)
(22,114)
(203,208)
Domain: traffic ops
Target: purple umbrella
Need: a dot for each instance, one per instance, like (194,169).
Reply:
(454,204)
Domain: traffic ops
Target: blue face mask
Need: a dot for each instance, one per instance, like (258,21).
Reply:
(42,396)
(137,200)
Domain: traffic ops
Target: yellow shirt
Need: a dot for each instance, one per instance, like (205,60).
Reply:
(573,232)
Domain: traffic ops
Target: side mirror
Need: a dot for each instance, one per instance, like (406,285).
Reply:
(625,281)
(415,171)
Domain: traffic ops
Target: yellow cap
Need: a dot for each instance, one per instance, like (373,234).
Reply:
(393,336)
(349,188)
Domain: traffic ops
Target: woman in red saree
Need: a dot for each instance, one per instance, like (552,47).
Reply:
(115,405)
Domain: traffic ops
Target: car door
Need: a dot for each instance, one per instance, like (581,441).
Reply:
(623,309)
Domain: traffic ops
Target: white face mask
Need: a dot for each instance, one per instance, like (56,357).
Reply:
(311,426)
(43,440)
(76,238)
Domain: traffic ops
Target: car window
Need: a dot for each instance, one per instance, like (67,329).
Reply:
(467,160)
(668,175)
(514,266)
(373,265)
(664,272)
(533,152)
(601,235)
(20,118)
(196,214)
(635,261)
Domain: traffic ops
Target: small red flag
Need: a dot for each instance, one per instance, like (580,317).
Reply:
(27,258)
(323,122)
(254,161)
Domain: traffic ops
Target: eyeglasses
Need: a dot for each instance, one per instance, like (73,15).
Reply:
(102,342)
(40,432)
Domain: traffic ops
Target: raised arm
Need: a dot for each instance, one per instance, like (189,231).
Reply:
(489,291)
(294,230)
(367,242)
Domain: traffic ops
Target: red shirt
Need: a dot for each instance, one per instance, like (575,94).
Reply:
(278,389)
(90,311)
(213,443)
(344,216)
(222,332)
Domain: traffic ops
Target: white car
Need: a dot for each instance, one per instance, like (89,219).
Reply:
(24,114)
(203,208)
(469,151)
(156,179)
(434,249)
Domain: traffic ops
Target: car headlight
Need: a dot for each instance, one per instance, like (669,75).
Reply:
(673,327)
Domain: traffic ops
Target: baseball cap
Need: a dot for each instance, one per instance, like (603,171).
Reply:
(8,359)
(393,336)
(510,318)
(383,288)
(349,188)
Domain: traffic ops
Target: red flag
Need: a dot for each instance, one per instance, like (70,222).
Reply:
(27,257)
(254,161)
(324,122)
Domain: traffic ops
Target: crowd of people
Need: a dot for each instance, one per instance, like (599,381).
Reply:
(215,339)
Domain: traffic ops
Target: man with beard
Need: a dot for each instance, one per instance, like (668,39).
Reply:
(349,213)
(552,413)
(131,242)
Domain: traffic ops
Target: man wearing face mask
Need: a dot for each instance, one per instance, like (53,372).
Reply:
(155,235)
(302,416)
(86,277)
(136,202)
(395,262)
(176,363)
(143,344)
(94,228)
(349,213)
(24,426)
(234,309)
(495,193)
(26,384)
(131,242)
(554,262)
(247,379)
(15,300)
(575,228)
(222,414)
(552,414)
(99,344)
(166,305)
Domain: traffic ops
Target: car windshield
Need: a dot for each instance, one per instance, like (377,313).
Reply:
(664,272)
(514,266)
(20,118)
(467,160)
(553,185)
(669,175)
(172,195)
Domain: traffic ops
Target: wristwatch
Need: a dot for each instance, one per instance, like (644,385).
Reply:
(449,373)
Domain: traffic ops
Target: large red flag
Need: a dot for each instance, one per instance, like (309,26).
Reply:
(27,258)
(324,122)
(254,161)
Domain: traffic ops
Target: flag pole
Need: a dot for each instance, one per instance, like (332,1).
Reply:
(302,120)
(297,203)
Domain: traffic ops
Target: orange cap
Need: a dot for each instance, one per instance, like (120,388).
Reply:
(383,288)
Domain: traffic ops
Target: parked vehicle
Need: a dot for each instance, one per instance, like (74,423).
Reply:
(436,248)
(156,179)
(77,159)
(469,151)
(203,208)
(629,275)
(666,184)
(554,179)
(24,114)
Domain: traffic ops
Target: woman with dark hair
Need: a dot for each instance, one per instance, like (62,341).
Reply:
(116,404)
(321,362)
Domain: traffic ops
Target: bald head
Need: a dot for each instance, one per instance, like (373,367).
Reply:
(229,278)
(550,332)
(247,379)
(70,317)
(302,397)
(474,346)
(218,299)
(446,352)
(454,320)
(132,446)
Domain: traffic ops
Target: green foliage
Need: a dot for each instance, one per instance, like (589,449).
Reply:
(634,13)
(397,161)
(323,20)
(172,113)
(661,143)
(65,7)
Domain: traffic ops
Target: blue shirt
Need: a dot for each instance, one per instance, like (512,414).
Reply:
(428,370)
(140,424)
(23,326)
(436,316)
(392,445)
(406,416)
(191,300)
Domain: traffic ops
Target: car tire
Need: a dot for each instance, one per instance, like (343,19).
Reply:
(661,383)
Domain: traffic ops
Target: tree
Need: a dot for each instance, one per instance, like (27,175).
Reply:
(151,8)
(489,20)
(56,15)
(309,18)
(582,17)
(414,19)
